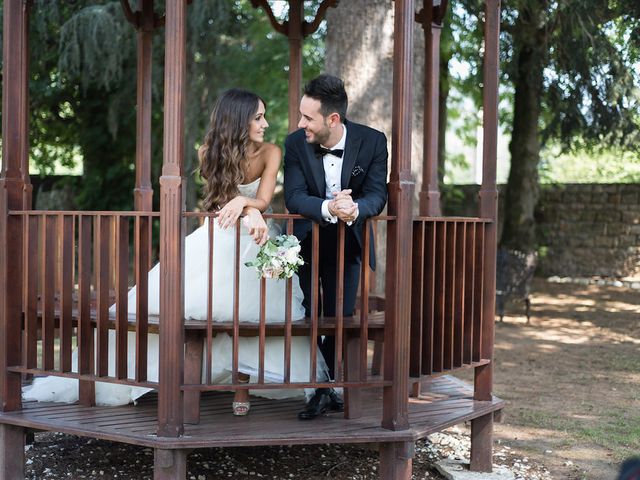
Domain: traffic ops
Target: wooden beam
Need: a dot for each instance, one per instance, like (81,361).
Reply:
(430,191)
(11,451)
(295,29)
(282,28)
(169,464)
(170,397)
(143,192)
(312,27)
(489,193)
(483,381)
(481,443)
(396,460)
(130,16)
(399,241)
(12,194)
(296,17)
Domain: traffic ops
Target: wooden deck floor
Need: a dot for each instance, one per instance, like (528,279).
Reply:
(446,401)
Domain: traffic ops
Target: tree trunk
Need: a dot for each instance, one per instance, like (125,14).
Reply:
(355,29)
(522,186)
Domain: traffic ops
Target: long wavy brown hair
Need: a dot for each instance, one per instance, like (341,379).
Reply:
(224,158)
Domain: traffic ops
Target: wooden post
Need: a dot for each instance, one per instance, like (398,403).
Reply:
(396,460)
(395,414)
(296,17)
(169,464)
(143,193)
(170,397)
(296,29)
(23,115)
(430,191)
(11,452)
(482,427)
(12,195)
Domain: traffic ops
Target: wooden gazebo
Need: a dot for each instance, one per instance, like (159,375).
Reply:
(61,270)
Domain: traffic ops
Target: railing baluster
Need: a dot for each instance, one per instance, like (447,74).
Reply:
(315,258)
(470,274)
(66,235)
(236,305)
(31,291)
(85,329)
(458,302)
(48,291)
(478,292)
(210,294)
(287,319)
(448,298)
(365,286)
(262,329)
(339,314)
(429,304)
(417,299)
(142,264)
(103,247)
(439,307)
(122,287)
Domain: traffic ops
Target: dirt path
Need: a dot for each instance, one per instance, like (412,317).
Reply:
(572,379)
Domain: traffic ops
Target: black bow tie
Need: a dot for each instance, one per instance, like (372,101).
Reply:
(321,151)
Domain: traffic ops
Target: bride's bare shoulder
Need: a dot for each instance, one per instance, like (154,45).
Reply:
(270,154)
(271,149)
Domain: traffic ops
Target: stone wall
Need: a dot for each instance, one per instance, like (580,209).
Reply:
(583,229)
(590,229)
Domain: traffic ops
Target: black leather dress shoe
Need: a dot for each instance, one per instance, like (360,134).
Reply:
(336,404)
(323,399)
(317,405)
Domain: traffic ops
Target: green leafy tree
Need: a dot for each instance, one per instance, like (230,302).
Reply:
(83,86)
(570,70)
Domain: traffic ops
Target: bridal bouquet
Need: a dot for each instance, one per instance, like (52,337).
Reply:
(278,258)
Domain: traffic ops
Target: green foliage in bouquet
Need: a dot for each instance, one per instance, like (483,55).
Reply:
(278,258)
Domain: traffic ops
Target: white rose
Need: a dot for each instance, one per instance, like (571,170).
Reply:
(291,256)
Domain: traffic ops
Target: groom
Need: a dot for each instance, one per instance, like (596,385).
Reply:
(334,171)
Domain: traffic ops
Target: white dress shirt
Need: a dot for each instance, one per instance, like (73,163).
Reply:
(332,173)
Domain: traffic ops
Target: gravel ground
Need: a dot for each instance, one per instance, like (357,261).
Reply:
(59,456)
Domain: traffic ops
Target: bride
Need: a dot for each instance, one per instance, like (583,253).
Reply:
(240,172)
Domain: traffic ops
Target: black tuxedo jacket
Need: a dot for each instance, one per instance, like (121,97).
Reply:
(364,171)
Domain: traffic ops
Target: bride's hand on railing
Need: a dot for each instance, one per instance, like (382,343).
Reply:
(229,214)
(256,225)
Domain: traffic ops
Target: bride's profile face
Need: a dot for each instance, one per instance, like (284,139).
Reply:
(258,124)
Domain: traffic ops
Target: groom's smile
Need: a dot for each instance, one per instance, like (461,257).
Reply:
(318,129)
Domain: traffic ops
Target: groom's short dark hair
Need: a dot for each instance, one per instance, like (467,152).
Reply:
(330,92)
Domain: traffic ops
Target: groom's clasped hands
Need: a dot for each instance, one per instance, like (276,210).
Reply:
(343,206)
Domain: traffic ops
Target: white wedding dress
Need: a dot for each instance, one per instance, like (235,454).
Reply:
(59,389)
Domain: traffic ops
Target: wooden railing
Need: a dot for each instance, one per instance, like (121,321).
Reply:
(79,267)
(447,294)
(76,264)
(352,334)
